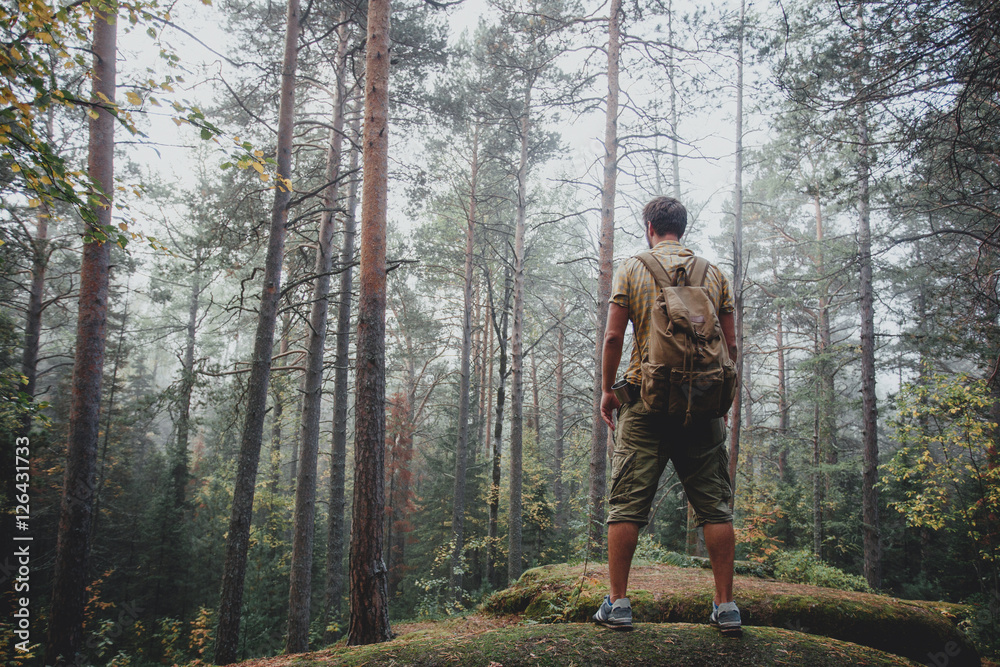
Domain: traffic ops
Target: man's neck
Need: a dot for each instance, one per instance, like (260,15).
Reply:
(654,239)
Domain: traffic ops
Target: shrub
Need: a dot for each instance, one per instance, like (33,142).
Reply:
(802,567)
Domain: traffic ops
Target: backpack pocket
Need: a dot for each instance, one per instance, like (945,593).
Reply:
(655,389)
(708,394)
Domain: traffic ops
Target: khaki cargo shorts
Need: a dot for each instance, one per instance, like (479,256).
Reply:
(645,441)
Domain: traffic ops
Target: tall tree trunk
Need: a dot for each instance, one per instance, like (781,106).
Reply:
(338,452)
(300,585)
(70,575)
(817,477)
(492,572)
(238,540)
(599,435)
(33,319)
(480,365)
(179,460)
(278,403)
(782,396)
(488,351)
(536,411)
(825,370)
(672,75)
(735,431)
(369,596)
(293,463)
(869,478)
(462,445)
(514,518)
(559,436)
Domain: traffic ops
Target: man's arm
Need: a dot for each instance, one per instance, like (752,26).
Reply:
(728,323)
(611,355)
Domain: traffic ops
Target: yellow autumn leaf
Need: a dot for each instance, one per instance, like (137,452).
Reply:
(34,203)
(258,153)
(265,177)
(93,114)
(104,98)
(122,226)
(15,168)
(258,167)
(14,52)
(45,37)
(133,98)
(46,180)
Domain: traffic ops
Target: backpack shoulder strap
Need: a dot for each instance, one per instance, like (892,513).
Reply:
(698,272)
(654,266)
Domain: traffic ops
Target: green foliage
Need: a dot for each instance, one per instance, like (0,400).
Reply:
(946,473)
(803,567)
(648,550)
(982,624)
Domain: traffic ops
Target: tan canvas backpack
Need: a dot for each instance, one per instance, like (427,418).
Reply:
(686,369)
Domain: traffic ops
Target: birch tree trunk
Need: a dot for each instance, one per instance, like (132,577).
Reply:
(70,573)
(238,540)
(369,602)
(599,435)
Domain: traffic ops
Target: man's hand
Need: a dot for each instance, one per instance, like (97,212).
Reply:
(609,403)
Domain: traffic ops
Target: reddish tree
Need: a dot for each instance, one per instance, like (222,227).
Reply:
(369,603)
(65,637)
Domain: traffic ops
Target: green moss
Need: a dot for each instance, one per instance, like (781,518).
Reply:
(590,646)
(912,629)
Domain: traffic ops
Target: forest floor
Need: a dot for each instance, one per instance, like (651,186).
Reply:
(543,620)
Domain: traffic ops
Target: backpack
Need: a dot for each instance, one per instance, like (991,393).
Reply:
(686,370)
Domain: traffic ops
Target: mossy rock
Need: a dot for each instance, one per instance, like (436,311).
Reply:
(664,594)
(581,645)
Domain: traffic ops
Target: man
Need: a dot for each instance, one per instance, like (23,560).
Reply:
(646,440)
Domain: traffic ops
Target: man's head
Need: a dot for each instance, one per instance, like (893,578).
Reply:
(666,215)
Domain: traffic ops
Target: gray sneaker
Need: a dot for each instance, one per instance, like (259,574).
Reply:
(617,616)
(727,617)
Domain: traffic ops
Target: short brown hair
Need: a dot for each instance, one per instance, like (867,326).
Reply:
(667,215)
